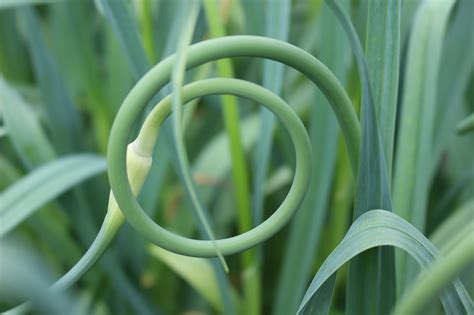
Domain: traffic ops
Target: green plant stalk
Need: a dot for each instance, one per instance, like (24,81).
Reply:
(198,54)
(251,277)
(80,64)
(138,166)
(177,79)
(273,74)
(32,151)
(231,119)
(383,59)
(61,116)
(372,275)
(456,66)
(341,201)
(343,191)
(412,174)
(207,51)
(123,24)
(35,149)
(138,161)
(437,277)
(201,88)
(97,106)
(146,138)
(304,240)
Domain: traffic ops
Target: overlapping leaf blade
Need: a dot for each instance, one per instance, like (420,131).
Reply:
(308,223)
(43,185)
(372,274)
(272,80)
(189,18)
(240,175)
(380,228)
(456,66)
(412,174)
(383,61)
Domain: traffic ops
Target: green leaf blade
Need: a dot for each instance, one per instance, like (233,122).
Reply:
(382,228)
(383,61)
(44,184)
(31,145)
(308,222)
(62,118)
(412,175)
(372,274)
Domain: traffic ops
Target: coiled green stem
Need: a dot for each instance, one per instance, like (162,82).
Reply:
(198,54)
(144,146)
(128,168)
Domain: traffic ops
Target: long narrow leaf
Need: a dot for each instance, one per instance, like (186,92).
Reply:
(457,64)
(189,20)
(31,144)
(44,184)
(381,228)
(461,219)
(62,118)
(383,61)
(126,29)
(415,141)
(308,223)
(240,174)
(272,80)
(78,62)
(371,276)
(13,53)
(438,276)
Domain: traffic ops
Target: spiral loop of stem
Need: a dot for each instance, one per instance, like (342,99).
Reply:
(233,46)
(129,163)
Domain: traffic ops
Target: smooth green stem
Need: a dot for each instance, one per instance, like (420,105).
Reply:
(138,167)
(177,78)
(128,168)
(201,53)
(249,239)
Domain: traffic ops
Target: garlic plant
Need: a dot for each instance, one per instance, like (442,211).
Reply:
(236,215)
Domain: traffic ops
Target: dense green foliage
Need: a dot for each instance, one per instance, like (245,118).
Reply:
(340,182)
